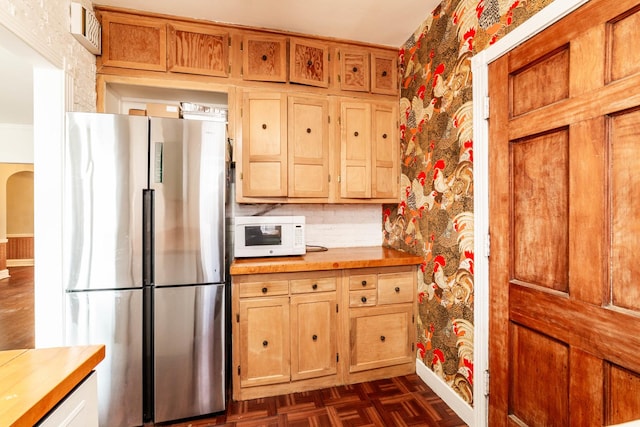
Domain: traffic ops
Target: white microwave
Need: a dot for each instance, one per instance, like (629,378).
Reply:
(262,236)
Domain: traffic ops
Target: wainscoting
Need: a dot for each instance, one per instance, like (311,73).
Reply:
(19,250)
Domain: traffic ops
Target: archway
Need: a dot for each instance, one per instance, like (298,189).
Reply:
(19,219)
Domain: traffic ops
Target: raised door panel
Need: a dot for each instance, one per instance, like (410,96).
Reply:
(198,49)
(380,337)
(313,335)
(309,62)
(354,70)
(264,58)
(308,147)
(264,341)
(384,73)
(355,150)
(131,41)
(264,145)
(385,152)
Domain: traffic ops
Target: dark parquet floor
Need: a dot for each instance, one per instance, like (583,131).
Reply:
(399,401)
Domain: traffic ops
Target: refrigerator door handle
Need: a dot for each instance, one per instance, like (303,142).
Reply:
(147,237)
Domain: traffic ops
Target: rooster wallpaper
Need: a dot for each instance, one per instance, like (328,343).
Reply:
(434,218)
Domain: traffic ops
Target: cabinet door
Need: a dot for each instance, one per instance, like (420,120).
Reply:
(355,150)
(313,335)
(309,62)
(264,341)
(198,49)
(132,41)
(384,73)
(264,145)
(385,151)
(308,147)
(380,337)
(264,58)
(354,70)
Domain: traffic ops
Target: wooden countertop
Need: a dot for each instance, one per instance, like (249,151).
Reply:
(33,381)
(332,259)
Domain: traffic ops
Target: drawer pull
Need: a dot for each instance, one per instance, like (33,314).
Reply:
(308,130)
(264,57)
(264,126)
(264,290)
(355,69)
(384,136)
(364,283)
(265,343)
(314,286)
(363,299)
(356,133)
(382,338)
(384,74)
(314,337)
(397,290)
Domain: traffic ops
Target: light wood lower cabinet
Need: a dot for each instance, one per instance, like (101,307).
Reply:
(301,331)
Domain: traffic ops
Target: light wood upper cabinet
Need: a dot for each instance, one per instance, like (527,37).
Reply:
(132,41)
(264,58)
(369,150)
(308,136)
(309,62)
(384,73)
(198,49)
(354,71)
(264,144)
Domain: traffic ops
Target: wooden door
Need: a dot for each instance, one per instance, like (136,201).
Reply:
(385,151)
(314,335)
(308,136)
(264,145)
(355,150)
(564,158)
(264,341)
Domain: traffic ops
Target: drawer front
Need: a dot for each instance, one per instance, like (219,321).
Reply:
(264,289)
(323,284)
(395,288)
(363,281)
(366,298)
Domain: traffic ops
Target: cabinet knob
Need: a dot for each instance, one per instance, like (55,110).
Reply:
(382,338)
(308,130)
(314,337)
(264,57)
(309,63)
(397,289)
(314,286)
(356,133)
(355,69)
(264,290)
(384,136)
(364,283)
(363,299)
(264,126)
(265,343)
(384,74)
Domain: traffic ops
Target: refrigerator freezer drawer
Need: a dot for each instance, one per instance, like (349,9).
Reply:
(113,318)
(189,351)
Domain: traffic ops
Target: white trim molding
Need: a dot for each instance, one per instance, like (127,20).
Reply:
(480,71)
(445,392)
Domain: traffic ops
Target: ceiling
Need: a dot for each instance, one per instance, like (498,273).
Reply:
(373,21)
(370,21)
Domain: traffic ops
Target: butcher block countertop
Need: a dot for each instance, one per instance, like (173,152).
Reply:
(33,381)
(332,259)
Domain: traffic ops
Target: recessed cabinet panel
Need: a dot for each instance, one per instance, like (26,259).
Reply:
(385,152)
(264,58)
(355,152)
(384,73)
(132,41)
(309,62)
(198,49)
(354,70)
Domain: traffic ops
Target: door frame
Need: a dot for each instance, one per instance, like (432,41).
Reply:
(482,243)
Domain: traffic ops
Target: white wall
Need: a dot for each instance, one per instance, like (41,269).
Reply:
(16,143)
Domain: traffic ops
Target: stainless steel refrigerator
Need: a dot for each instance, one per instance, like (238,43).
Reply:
(144,262)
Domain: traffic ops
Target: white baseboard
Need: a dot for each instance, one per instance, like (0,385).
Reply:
(27,262)
(4,274)
(442,389)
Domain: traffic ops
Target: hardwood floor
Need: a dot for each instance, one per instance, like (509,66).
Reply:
(17,320)
(400,401)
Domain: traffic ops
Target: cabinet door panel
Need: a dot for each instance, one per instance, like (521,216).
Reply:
(313,335)
(198,50)
(354,70)
(380,337)
(396,288)
(264,341)
(384,73)
(385,152)
(309,62)
(355,151)
(308,147)
(264,58)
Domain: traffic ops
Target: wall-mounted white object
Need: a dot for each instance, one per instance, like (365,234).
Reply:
(86,28)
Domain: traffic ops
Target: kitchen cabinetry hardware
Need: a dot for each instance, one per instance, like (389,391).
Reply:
(363,299)
(314,286)
(264,290)
(364,283)
(397,289)
(382,338)
(265,343)
(314,337)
